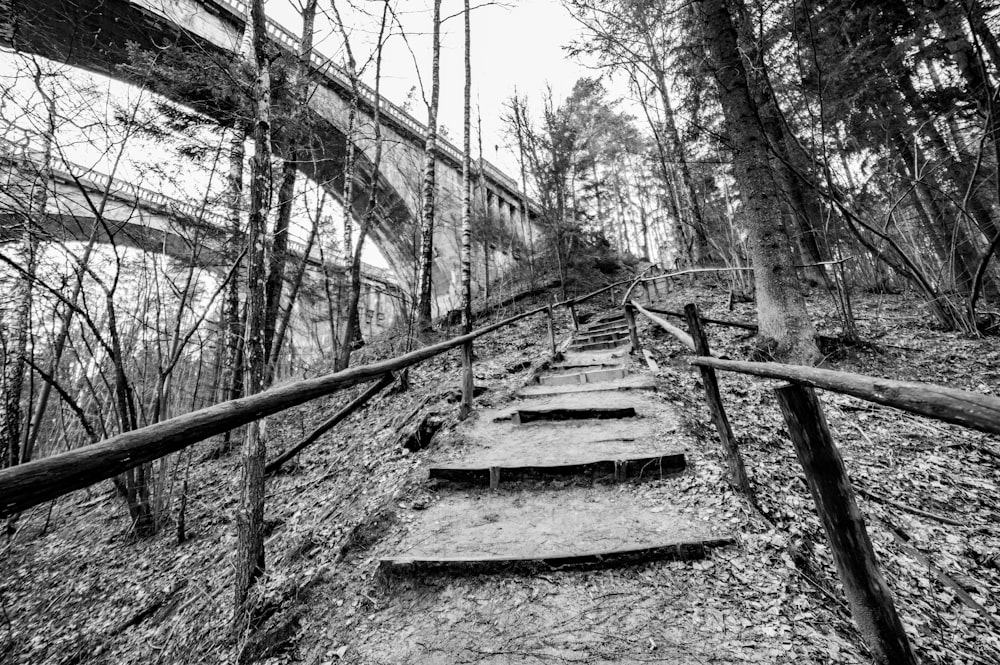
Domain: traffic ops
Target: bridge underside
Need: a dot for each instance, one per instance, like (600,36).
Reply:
(96,39)
(314,334)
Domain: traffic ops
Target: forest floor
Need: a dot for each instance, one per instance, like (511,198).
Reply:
(77,587)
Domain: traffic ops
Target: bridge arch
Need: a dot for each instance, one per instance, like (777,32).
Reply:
(94,35)
(138,218)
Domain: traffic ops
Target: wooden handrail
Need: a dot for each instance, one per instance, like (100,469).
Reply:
(704,319)
(962,407)
(579,299)
(635,282)
(27,485)
(681,336)
(692,271)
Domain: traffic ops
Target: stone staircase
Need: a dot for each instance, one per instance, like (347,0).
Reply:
(551,480)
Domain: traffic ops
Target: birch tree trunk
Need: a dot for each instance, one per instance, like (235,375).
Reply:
(429,194)
(467,380)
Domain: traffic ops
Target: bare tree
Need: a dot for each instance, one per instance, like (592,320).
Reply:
(428,207)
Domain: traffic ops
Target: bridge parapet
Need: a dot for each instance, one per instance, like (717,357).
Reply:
(339,75)
(21,154)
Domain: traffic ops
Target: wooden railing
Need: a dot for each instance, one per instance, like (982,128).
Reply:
(27,485)
(867,593)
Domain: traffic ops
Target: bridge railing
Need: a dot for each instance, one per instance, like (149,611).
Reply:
(339,75)
(69,171)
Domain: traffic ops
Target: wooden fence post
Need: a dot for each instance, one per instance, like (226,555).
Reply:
(737,470)
(866,590)
(572,313)
(552,328)
(468,384)
(633,334)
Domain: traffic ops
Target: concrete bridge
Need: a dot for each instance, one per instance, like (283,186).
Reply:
(93,34)
(133,216)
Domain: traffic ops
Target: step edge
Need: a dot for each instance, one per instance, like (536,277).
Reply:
(683,550)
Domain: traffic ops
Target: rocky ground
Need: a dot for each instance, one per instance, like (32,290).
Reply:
(75,587)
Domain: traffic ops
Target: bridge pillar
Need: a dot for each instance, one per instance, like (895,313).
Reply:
(366,312)
(378,311)
(508,222)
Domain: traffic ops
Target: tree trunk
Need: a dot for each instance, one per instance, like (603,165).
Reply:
(232,381)
(352,327)
(15,328)
(278,256)
(781,308)
(467,380)
(485,226)
(429,186)
(700,248)
(250,513)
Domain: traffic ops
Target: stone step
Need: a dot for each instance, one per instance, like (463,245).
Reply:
(528,415)
(576,368)
(604,357)
(620,460)
(600,337)
(605,327)
(584,527)
(647,407)
(630,382)
(598,346)
(592,376)
(614,315)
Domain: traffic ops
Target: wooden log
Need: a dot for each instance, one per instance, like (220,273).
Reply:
(681,336)
(633,333)
(695,271)
(719,322)
(329,424)
(867,594)
(468,382)
(962,407)
(635,282)
(734,459)
(27,485)
(552,329)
